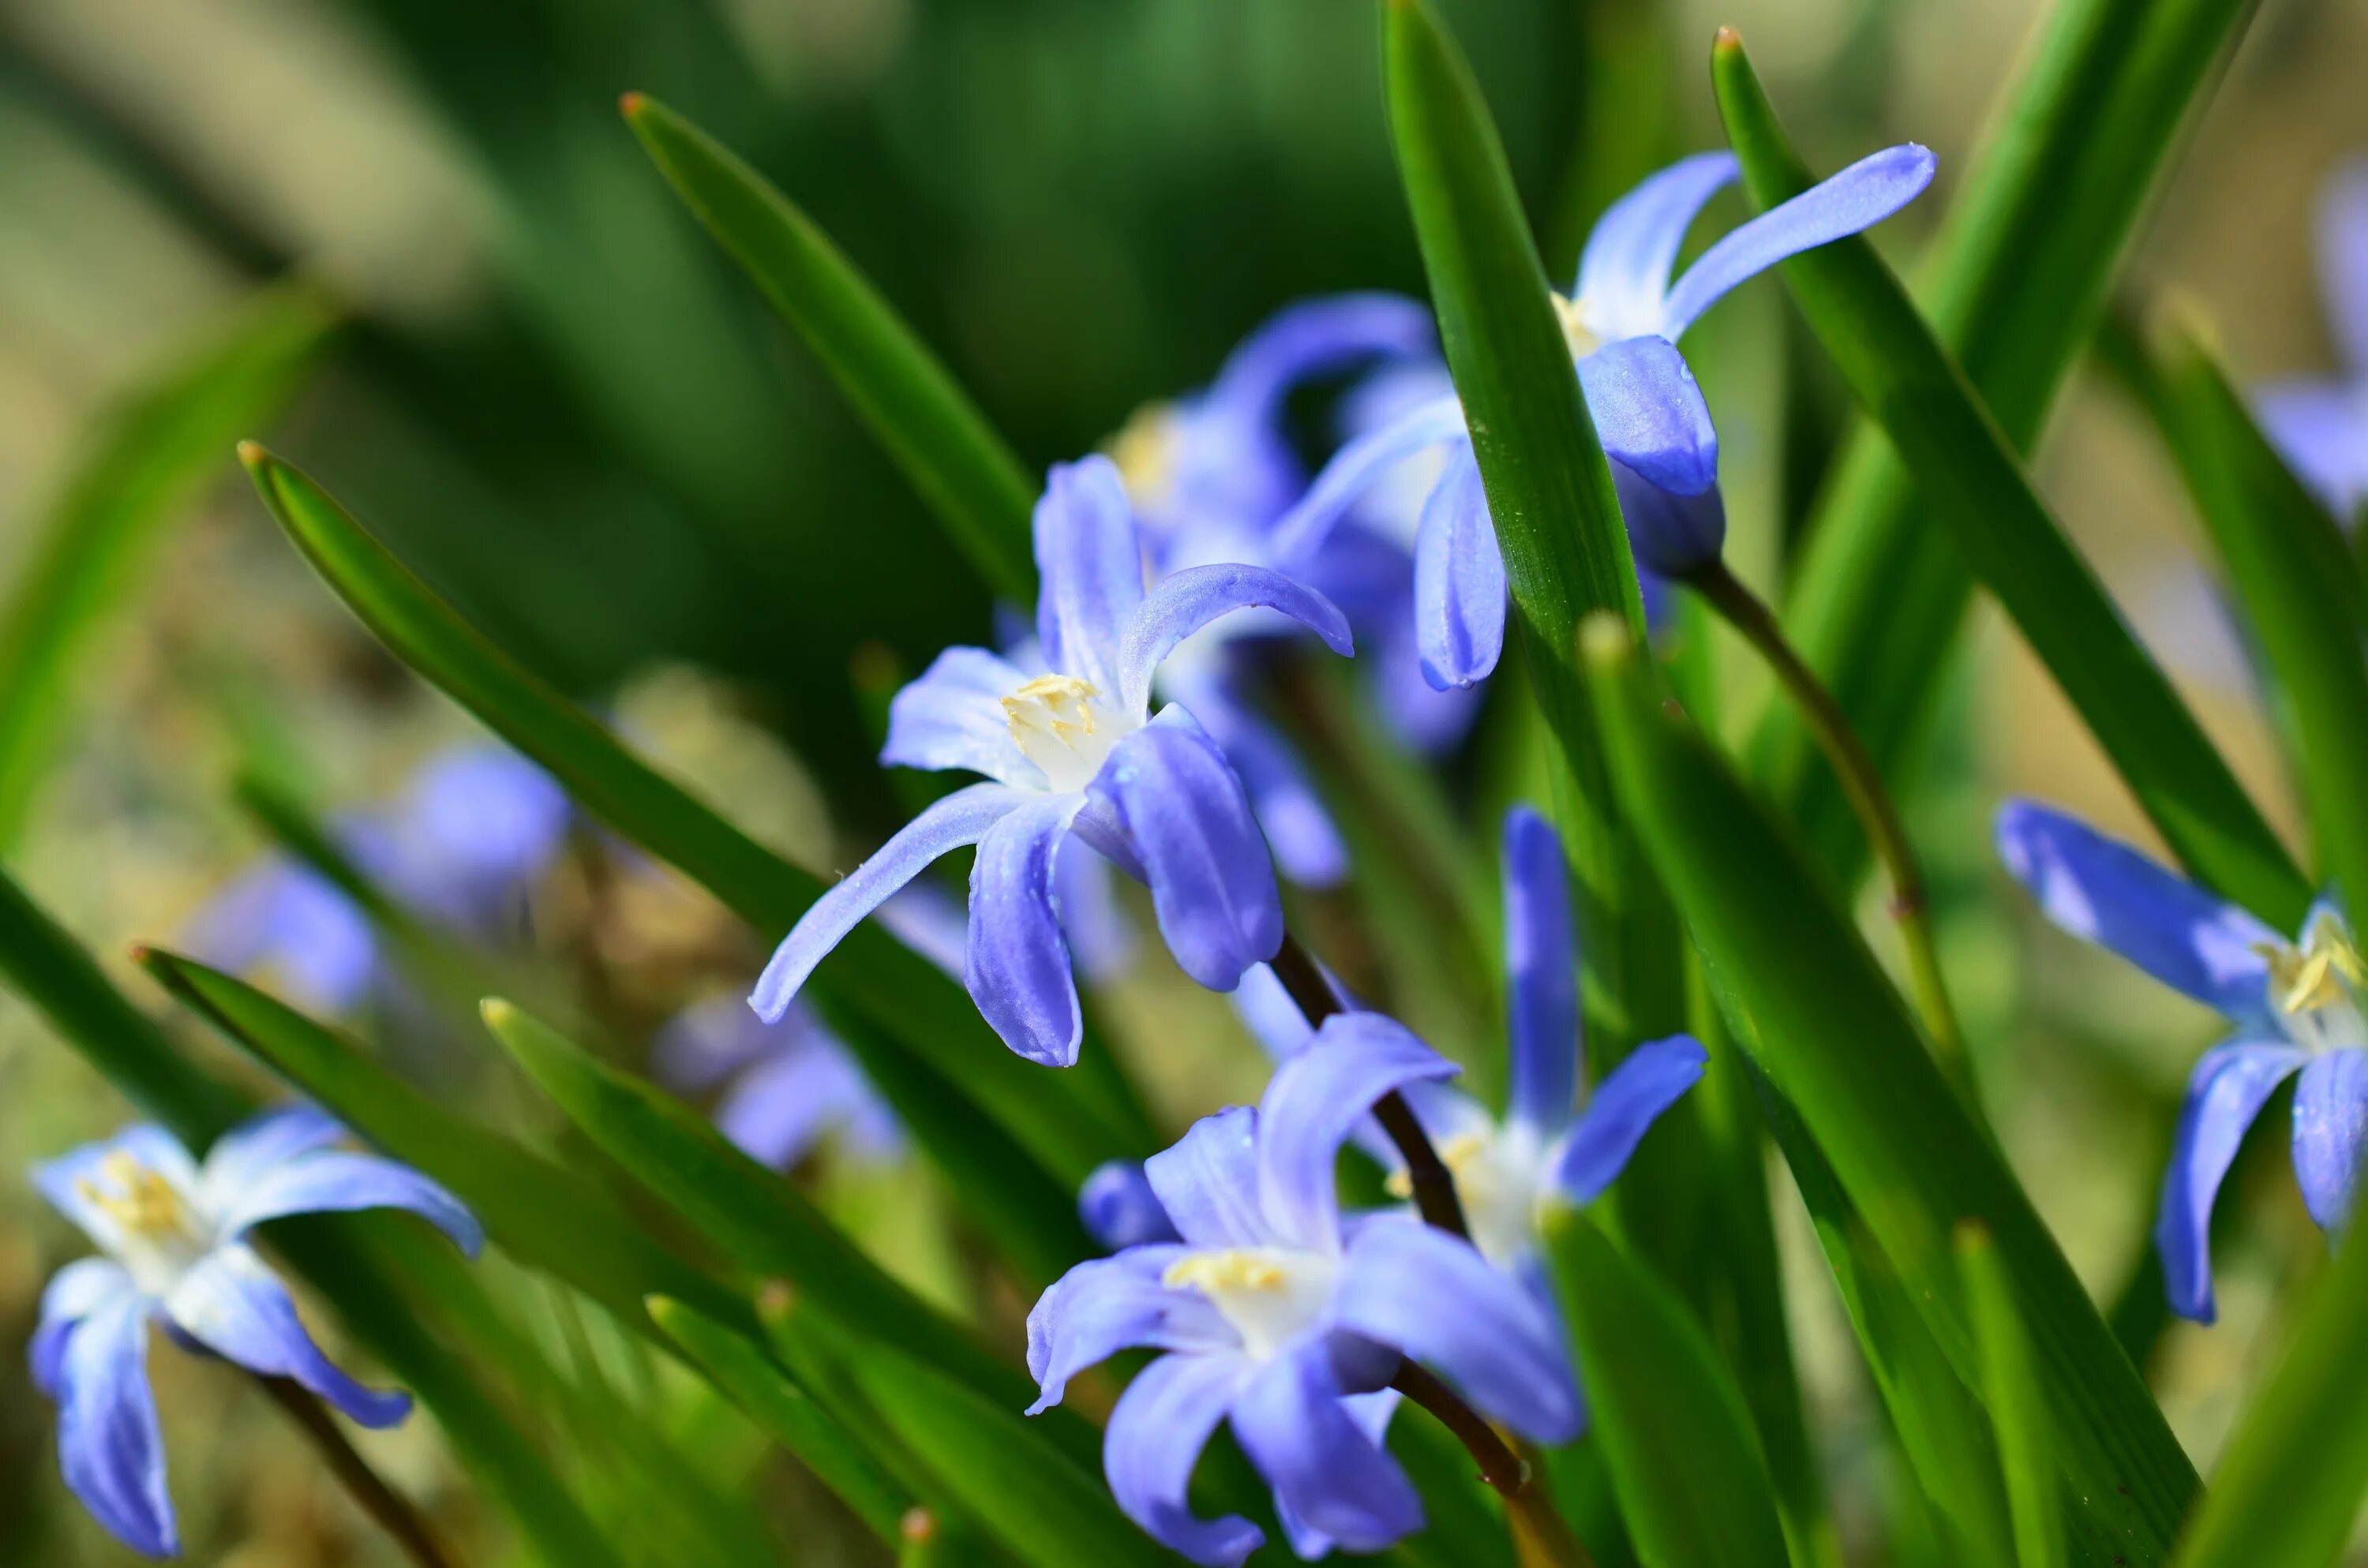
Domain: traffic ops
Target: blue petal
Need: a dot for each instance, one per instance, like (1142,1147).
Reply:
(478,824)
(1541,975)
(1670,535)
(1358,466)
(782,1107)
(109,1444)
(233,1305)
(1109,1304)
(335,1182)
(1858,198)
(709,1041)
(1431,1296)
(1089,561)
(293,919)
(2321,429)
(1649,413)
(1459,581)
(81,1290)
(1167,800)
(1328,1474)
(1018,966)
(1308,848)
(1426,720)
(1101,938)
(1371,1412)
(1267,1011)
(263,1142)
(2330,1117)
(1208,1183)
(62,1180)
(963,817)
(2226,1092)
(1621,1111)
(1624,274)
(953,718)
(1119,1209)
(2104,892)
(1313,338)
(2343,260)
(1310,1106)
(1155,1435)
(1189,600)
(931,921)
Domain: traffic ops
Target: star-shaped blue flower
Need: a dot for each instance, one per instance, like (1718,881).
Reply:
(2321,425)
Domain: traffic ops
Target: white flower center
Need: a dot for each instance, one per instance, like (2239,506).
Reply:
(2316,987)
(1271,1295)
(1065,728)
(1582,338)
(162,1237)
(1496,1174)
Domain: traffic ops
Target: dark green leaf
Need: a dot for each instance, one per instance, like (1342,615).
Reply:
(978,488)
(2018,1408)
(1693,1486)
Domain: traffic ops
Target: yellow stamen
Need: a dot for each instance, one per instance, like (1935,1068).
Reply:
(1458,1154)
(1235,1269)
(2318,975)
(143,1203)
(1058,705)
(1571,313)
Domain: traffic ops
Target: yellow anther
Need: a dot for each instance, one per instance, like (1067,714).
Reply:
(142,1202)
(1571,313)
(2320,973)
(1060,706)
(1235,1269)
(1461,1154)
(1145,450)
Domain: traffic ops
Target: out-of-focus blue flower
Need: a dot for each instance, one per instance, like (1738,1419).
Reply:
(1284,1319)
(1622,321)
(2296,1005)
(174,1234)
(1076,752)
(2322,425)
(1120,1209)
(287,920)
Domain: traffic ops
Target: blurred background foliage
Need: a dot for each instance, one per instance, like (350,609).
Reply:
(559,402)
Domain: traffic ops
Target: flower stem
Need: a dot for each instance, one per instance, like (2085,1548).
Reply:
(1434,1184)
(392,1513)
(1542,1534)
(1742,609)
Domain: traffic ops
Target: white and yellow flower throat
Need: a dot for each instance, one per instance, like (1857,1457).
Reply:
(1573,315)
(161,1234)
(1496,1171)
(2316,986)
(1064,727)
(1269,1295)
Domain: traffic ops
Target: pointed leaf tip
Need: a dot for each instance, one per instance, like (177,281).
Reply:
(1728,42)
(253,455)
(499,1012)
(631,104)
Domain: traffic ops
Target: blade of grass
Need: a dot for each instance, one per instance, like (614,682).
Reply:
(2018,1408)
(970,479)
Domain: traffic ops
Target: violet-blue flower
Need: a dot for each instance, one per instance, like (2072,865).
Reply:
(1076,752)
(174,1232)
(1622,321)
(2296,1005)
(2321,425)
(1283,1318)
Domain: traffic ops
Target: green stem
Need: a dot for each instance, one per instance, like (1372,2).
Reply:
(1742,609)
(391,1511)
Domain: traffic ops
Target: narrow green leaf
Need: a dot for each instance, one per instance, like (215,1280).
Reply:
(1831,1035)
(744,1374)
(143,462)
(1971,478)
(970,477)
(1692,1483)
(2071,157)
(2018,1408)
(543,1215)
(876,990)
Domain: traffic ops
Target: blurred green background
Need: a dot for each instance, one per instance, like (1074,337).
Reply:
(561,404)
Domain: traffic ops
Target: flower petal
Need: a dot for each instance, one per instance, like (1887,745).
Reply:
(63,1180)
(1459,582)
(784,1105)
(341,1182)
(1312,338)
(1621,1111)
(1119,1209)
(1371,1412)
(1624,274)
(1189,600)
(1858,197)
(1649,413)
(1105,1305)
(1360,464)
(109,1444)
(963,817)
(1157,1432)
(81,1290)
(1208,1182)
(1089,560)
(2321,429)
(2226,1093)
(953,718)
(2343,260)
(1310,1106)
(1426,720)
(1541,975)
(1431,1296)
(1308,848)
(262,1143)
(1101,938)
(234,1306)
(1670,535)
(2104,892)
(1267,1011)
(1018,966)
(292,918)
(477,825)
(1174,806)
(2330,1115)
(1330,1476)
(709,1041)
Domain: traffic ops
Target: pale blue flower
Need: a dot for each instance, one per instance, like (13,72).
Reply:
(2321,425)
(174,1236)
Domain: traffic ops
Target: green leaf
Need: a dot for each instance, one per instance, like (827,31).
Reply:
(356,1262)
(744,1373)
(946,1064)
(2018,1408)
(544,1216)
(145,459)
(1693,1484)
(970,477)
(1976,485)
(2065,171)
(1831,1037)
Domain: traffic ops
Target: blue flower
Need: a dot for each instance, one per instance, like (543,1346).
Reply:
(1075,751)
(1284,1318)
(2322,425)
(2295,1006)
(791,1083)
(1624,321)
(285,919)
(174,1234)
